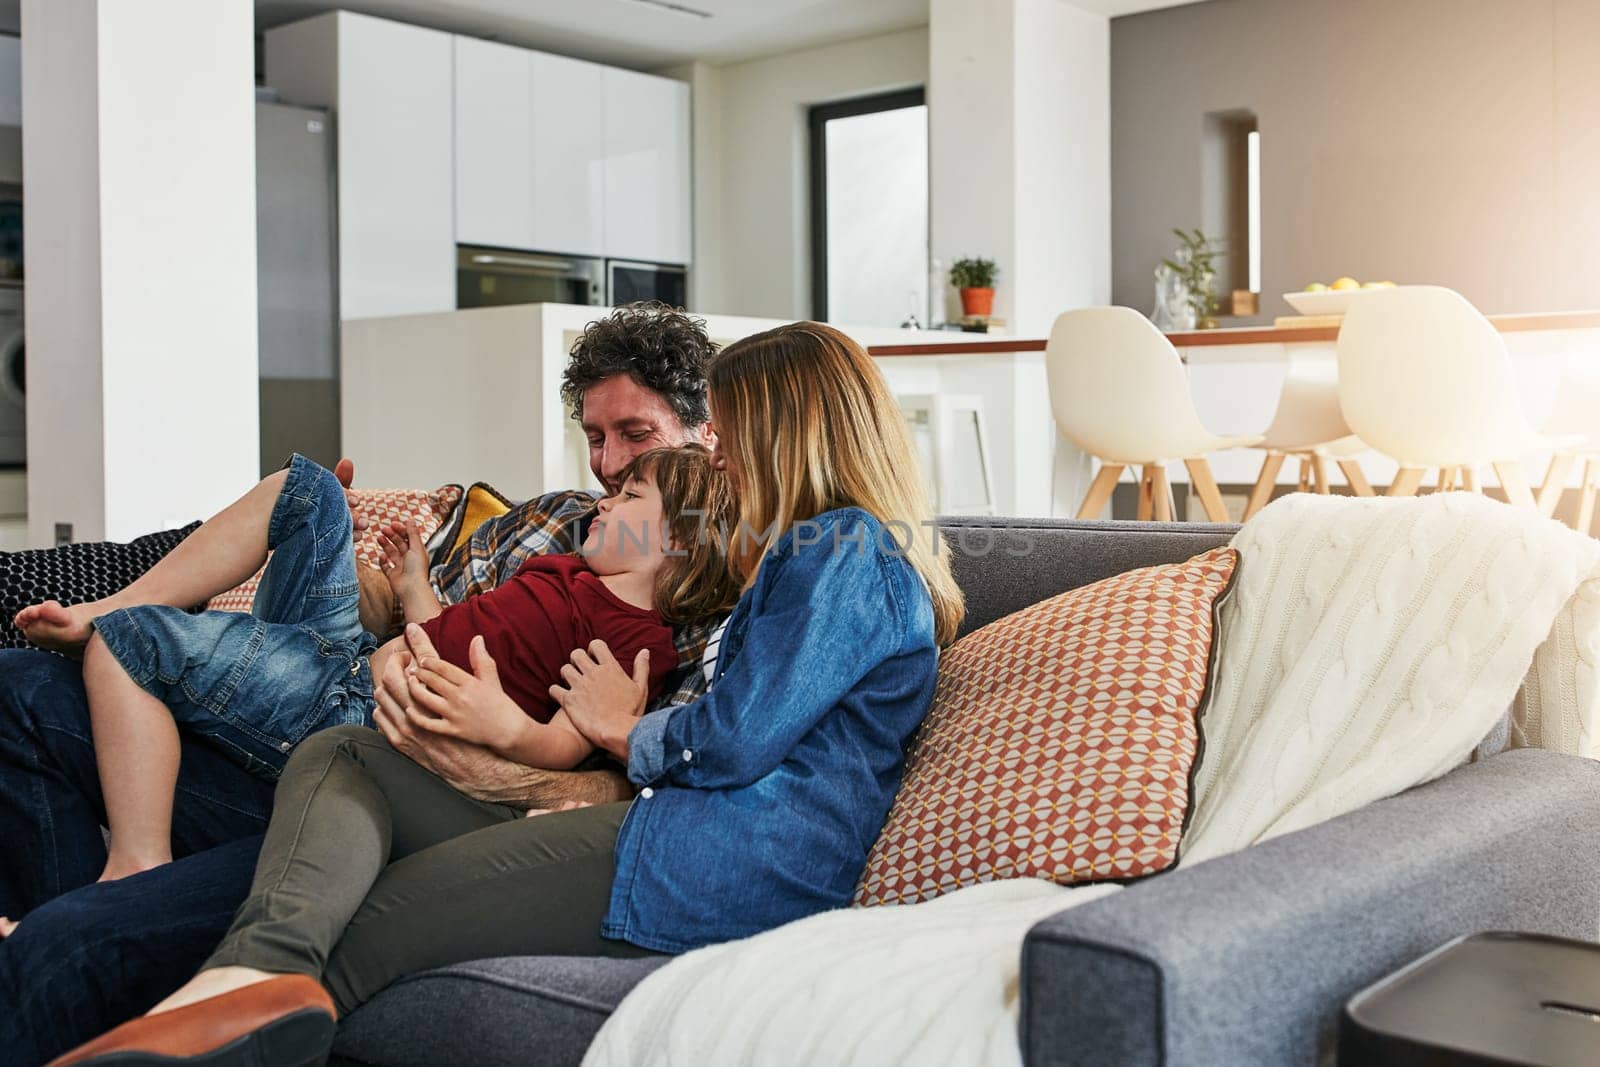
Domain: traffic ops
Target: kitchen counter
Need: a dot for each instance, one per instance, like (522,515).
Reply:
(979,344)
(475,395)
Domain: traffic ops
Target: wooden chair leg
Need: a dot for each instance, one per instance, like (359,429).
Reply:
(1319,473)
(1555,482)
(1470,478)
(1447,480)
(1161,492)
(1100,490)
(1145,501)
(1586,498)
(1205,487)
(1406,481)
(1261,495)
(1515,483)
(1305,474)
(1354,476)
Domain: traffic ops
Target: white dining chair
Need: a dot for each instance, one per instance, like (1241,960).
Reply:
(1309,426)
(1118,390)
(952,443)
(1425,379)
(1576,415)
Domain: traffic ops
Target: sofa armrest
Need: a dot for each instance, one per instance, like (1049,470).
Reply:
(1250,957)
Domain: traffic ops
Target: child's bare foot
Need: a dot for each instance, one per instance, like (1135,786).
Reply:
(7,927)
(212,983)
(60,629)
(119,866)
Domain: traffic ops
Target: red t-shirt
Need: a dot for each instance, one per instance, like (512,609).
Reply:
(532,623)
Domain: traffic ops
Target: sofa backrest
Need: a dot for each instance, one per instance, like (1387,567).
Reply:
(1003,565)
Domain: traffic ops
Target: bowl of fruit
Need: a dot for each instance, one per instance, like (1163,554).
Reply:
(1320,299)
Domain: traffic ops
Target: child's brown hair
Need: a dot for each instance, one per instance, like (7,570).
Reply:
(695,582)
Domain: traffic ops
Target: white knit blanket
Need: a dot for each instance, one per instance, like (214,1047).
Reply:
(1368,647)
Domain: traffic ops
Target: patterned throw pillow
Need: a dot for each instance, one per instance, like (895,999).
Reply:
(379,506)
(481,503)
(75,574)
(1062,740)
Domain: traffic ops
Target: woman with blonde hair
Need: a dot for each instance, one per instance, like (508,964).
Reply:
(758,802)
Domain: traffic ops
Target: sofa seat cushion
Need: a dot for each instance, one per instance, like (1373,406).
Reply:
(517,1010)
(1062,740)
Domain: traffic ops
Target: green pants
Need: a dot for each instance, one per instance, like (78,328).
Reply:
(374,868)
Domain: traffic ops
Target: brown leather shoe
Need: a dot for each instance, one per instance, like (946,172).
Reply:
(287,1020)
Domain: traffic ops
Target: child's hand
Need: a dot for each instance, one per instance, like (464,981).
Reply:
(405,557)
(468,707)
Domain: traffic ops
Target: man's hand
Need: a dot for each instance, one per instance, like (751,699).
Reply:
(602,701)
(475,770)
(345,472)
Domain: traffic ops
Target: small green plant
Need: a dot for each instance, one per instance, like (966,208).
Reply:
(1195,264)
(973,273)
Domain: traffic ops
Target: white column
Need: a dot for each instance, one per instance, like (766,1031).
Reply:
(139,165)
(1019,112)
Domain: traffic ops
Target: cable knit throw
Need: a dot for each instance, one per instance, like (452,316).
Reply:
(1368,647)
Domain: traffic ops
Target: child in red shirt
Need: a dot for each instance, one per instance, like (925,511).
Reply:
(255,685)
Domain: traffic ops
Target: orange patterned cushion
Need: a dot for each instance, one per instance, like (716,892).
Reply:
(1062,740)
(378,506)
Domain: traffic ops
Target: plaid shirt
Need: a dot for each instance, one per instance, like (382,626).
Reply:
(553,524)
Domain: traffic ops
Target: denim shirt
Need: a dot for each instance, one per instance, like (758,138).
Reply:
(764,796)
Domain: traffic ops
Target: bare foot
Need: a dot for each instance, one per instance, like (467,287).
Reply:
(212,983)
(60,629)
(118,866)
(7,927)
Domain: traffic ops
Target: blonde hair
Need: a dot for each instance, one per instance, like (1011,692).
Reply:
(695,581)
(808,418)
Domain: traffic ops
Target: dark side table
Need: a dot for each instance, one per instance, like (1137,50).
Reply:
(1491,998)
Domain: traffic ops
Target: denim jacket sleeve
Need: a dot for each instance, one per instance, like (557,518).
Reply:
(827,618)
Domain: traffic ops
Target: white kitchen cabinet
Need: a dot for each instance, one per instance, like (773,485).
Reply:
(495,143)
(390,87)
(646,167)
(568,155)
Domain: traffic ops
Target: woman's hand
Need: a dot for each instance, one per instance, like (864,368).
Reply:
(468,707)
(599,697)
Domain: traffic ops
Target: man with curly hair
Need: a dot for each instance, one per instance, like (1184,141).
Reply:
(88,958)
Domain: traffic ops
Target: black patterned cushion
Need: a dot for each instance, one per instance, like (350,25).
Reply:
(74,574)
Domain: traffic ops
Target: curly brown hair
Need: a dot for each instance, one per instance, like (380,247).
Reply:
(658,346)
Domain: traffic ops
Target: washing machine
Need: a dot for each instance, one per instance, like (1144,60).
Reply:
(13,422)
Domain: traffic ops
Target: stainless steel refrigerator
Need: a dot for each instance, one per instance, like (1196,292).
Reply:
(296,259)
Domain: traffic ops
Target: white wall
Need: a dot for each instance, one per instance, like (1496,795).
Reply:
(751,179)
(139,127)
(1062,131)
(1019,96)
(971,122)
(1020,117)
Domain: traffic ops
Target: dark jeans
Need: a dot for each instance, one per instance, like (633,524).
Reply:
(84,963)
(100,955)
(373,868)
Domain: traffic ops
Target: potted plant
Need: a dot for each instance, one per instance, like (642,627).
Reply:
(975,278)
(1194,265)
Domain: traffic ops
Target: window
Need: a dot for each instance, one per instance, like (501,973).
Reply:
(869,210)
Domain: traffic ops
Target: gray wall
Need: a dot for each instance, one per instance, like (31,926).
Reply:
(1455,142)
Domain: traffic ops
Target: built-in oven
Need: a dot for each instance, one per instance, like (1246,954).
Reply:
(630,280)
(490,277)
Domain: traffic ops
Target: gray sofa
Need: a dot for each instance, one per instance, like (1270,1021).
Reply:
(1246,959)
